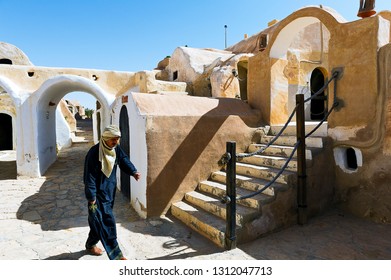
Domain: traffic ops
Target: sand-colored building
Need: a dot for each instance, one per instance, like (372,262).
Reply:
(198,99)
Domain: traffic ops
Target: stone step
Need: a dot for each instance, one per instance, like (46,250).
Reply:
(208,225)
(219,190)
(203,207)
(250,183)
(217,208)
(82,136)
(276,150)
(291,129)
(264,172)
(271,161)
(312,142)
(83,133)
(80,140)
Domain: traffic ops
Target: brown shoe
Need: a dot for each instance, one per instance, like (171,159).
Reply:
(96,251)
(123,258)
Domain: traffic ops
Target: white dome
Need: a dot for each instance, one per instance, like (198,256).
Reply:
(9,54)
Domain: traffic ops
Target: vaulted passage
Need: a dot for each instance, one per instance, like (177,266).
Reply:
(5,132)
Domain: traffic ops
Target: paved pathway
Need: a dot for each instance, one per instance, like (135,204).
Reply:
(46,218)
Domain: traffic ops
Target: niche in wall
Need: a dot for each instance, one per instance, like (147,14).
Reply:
(349,159)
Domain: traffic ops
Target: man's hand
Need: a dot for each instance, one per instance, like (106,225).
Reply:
(137,176)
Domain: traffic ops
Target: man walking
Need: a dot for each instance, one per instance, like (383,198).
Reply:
(100,187)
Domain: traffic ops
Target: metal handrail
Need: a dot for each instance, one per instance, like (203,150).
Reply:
(230,158)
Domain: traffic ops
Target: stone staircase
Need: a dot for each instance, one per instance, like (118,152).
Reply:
(83,133)
(264,213)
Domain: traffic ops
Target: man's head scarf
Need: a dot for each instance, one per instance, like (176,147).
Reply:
(107,155)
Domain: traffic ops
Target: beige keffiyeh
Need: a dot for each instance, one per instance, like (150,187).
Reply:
(107,155)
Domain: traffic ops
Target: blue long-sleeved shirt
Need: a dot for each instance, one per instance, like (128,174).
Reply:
(97,185)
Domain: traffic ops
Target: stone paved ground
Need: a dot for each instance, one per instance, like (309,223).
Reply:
(46,218)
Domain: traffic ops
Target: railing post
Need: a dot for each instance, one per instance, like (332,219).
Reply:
(301,161)
(230,232)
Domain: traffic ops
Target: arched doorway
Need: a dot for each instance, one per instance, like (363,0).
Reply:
(6,136)
(98,125)
(301,44)
(318,103)
(242,77)
(47,100)
(125,140)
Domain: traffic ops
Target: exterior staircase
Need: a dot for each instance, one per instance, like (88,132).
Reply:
(83,133)
(264,213)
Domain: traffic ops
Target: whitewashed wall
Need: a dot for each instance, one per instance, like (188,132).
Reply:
(138,152)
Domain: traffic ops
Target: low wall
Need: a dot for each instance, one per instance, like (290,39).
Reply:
(186,136)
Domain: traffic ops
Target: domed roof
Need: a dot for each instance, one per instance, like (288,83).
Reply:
(9,54)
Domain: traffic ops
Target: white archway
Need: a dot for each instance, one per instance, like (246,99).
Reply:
(286,36)
(290,52)
(12,89)
(45,101)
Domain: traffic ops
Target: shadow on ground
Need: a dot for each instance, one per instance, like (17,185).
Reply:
(69,256)
(60,204)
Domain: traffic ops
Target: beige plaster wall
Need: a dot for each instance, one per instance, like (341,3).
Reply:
(366,191)
(352,46)
(362,122)
(69,117)
(30,78)
(6,104)
(186,137)
(147,82)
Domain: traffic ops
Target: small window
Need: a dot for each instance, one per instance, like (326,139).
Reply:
(263,41)
(5,61)
(175,75)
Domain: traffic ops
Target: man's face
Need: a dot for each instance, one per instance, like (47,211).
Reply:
(112,142)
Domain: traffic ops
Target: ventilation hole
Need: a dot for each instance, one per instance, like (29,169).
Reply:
(30,74)
(95,77)
(351,158)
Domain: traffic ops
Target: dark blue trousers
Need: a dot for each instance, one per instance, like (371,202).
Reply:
(103,228)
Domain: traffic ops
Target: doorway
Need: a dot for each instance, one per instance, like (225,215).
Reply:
(242,77)
(318,103)
(6,142)
(125,140)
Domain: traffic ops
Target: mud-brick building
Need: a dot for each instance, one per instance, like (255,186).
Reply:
(299,56)
(311,49)
(198,99)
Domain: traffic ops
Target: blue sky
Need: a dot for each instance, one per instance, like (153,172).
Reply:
(128,35)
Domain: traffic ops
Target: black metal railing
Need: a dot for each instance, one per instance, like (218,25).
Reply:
(230,158)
